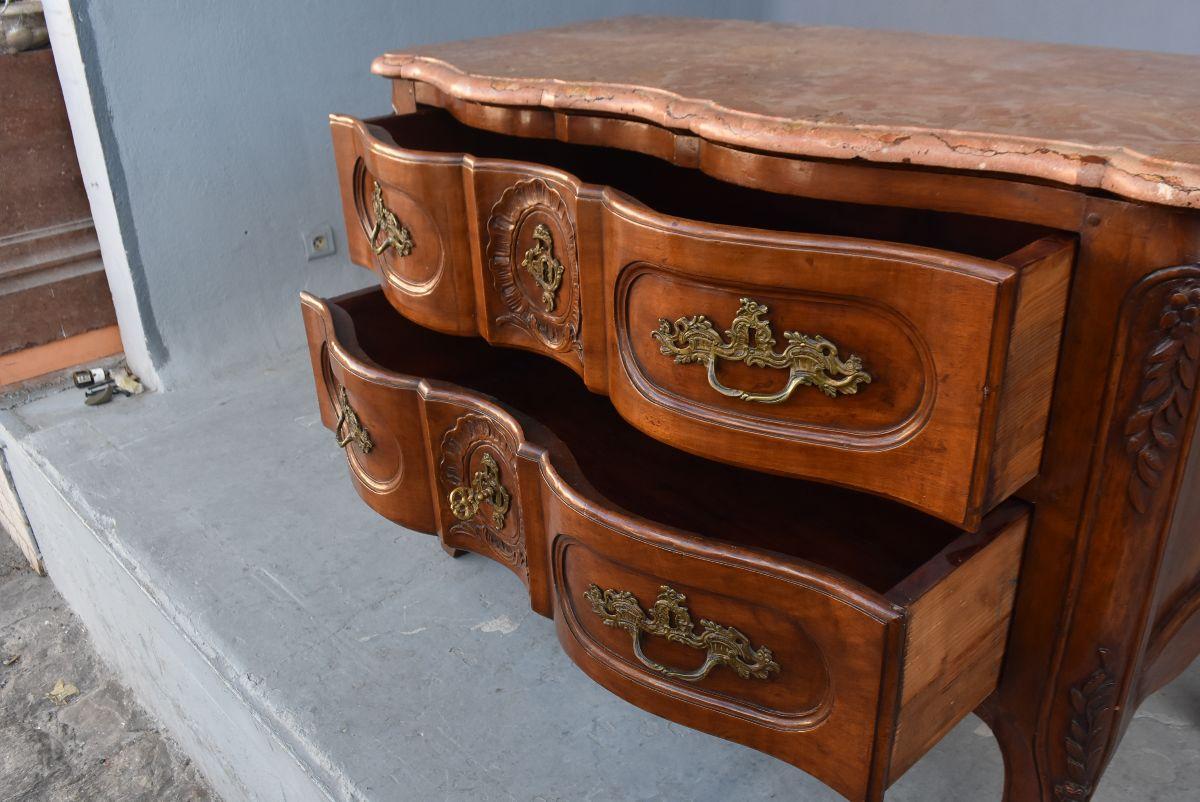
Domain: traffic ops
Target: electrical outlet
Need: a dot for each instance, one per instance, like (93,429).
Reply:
(318,242)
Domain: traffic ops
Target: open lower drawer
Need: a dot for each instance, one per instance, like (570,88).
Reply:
(838,631)
(903,352)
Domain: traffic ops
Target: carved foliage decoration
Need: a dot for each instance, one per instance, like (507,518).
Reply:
(1087,734)
(1169,370)
(477,474)
(534,263)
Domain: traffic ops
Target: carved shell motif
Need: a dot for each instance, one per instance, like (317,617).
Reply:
(534,263)
(477,444)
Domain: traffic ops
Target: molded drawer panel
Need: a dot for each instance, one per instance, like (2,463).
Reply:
(920,374)
(838,631)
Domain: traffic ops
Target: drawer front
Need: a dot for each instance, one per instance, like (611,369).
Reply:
(425,455)
(464,247)
(406,219)
(893,369)
(847,684)
(744,639)
(478,487)
(916,374)
(530,253)
(789,664)
(375,418)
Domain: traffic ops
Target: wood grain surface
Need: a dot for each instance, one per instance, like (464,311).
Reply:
(958,345)
(880,623)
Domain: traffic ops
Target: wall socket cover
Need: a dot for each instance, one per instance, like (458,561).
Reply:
(318,242)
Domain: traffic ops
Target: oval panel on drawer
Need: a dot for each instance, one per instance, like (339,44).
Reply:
(374,455)
(786,677)
(374,418)
(876,369)
(407,244)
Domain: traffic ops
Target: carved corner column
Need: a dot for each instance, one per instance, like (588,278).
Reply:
(1147,421)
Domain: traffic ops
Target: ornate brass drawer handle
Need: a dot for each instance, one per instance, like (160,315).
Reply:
(670,619)
(809,360)
(485,486)
(546,270)
(349,428)
(395,236)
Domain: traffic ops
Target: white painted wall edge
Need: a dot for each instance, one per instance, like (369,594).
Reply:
(13,520)
(68,60)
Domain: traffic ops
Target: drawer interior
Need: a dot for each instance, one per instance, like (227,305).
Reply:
(830,526)
(690,194)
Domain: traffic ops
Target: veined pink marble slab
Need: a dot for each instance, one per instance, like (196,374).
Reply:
(1123,121)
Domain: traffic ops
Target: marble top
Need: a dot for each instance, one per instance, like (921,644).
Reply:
(1123,121)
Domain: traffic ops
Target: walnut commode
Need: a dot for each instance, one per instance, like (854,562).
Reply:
(816,413)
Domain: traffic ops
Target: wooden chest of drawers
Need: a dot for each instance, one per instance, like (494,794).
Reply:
(799,410)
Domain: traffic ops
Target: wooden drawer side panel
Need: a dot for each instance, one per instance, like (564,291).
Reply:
(954,643)
(1031,363)
(427,271)
(385,450)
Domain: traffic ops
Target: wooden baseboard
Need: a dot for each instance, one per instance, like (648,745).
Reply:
(30,363)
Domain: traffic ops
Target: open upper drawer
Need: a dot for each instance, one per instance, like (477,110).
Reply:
(906,353)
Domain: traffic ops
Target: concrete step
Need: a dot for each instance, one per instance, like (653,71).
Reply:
(300,647)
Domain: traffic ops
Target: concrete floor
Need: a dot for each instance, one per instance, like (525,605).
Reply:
(300,647)
(95,746)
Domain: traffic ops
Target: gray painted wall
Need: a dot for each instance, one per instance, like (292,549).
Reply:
(1172,26)
(213,121)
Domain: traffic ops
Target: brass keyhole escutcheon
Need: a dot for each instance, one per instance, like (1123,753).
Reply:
(485,488)
(546,269)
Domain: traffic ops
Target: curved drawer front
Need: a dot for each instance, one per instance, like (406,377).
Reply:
(898,370)
(405,219)
(477,485)
(428,458)
(752,637)
(531,256)
(375,419)
(484,246)
(781,661)
(917,374)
